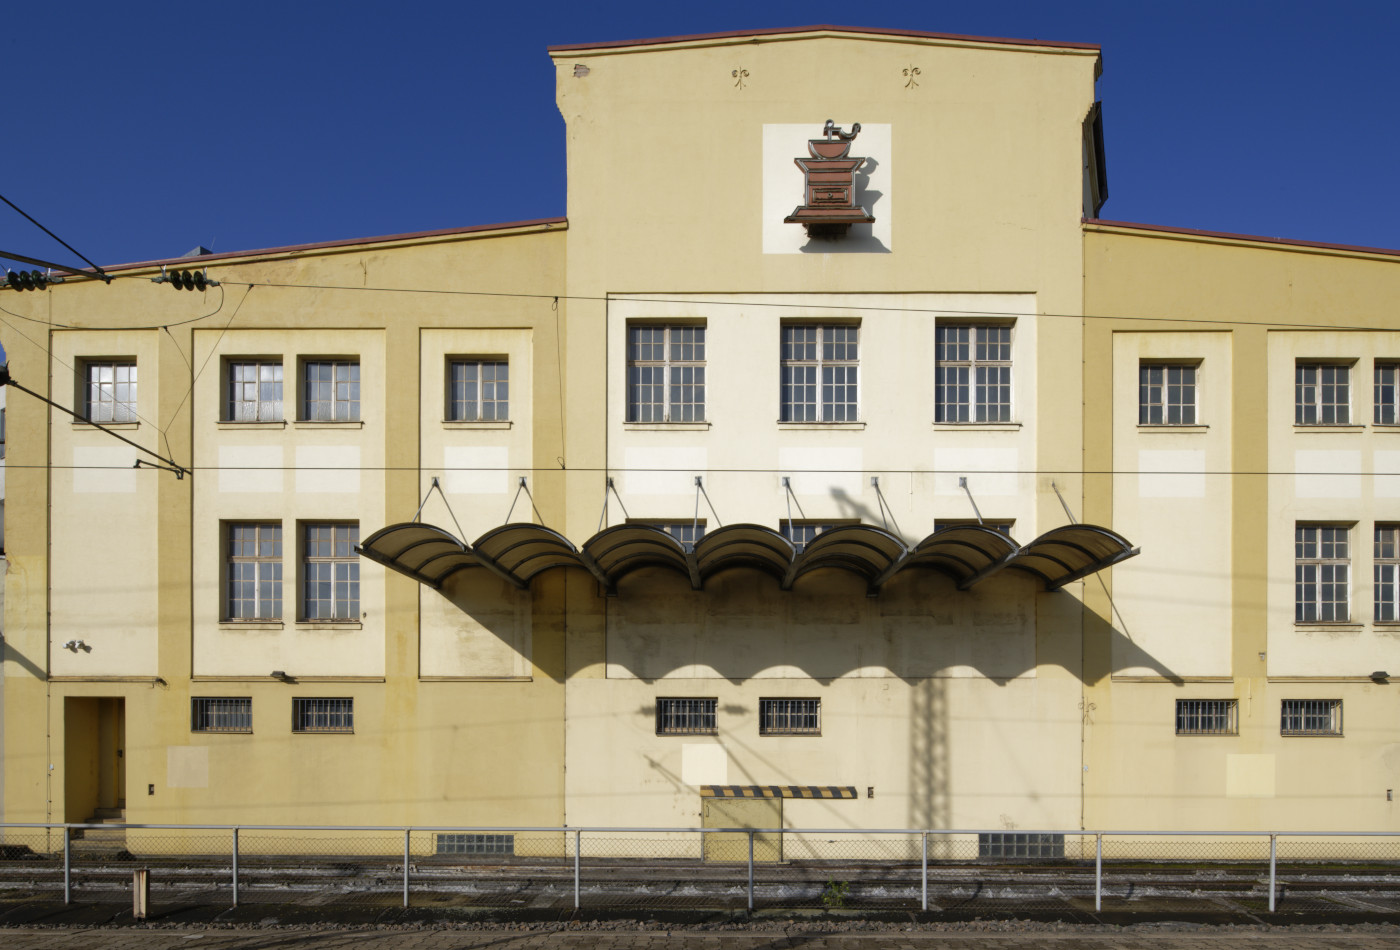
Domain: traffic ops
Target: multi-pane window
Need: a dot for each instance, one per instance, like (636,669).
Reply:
(478,391)
(1207,717)
(972,373)
(1387,394)
(686,532)
(110,391)
(254,571)
(803,533)
(1321,573)
(221,714)
(1020,845)
(685,716)
(475,844)
(1311,717)
(665,373)
(330,572)
(254,391)
(789,717)
(1387,573)
(332,391)
(1166,394)
(819,372)
(323,715)
(1322,394)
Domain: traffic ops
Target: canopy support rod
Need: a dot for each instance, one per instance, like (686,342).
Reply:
(791,500)
(1068,514)
(426,495)
(610,487)
(885,506)
(962,483)
(700,488)
(461,535)
(524,487)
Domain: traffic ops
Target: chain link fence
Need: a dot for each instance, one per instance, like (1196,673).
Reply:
(962,873)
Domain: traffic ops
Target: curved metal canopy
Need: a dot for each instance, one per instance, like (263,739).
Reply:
(967,553)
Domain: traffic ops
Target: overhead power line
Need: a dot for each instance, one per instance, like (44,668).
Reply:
(100,272)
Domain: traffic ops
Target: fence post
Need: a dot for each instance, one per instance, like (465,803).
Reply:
(1273,868)
(578,846)
(924,875)
(67,866)
(235,867)
(750,871)
(406,833)
(1098,872)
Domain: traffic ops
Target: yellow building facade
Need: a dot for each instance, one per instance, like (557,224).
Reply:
(945,504)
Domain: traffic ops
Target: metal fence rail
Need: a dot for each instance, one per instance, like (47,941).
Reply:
(721,868)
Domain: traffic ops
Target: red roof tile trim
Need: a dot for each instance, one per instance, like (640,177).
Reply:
(1226,235)
(349,242)
(822,28)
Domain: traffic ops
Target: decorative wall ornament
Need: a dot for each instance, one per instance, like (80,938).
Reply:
(830,207)
(911,72)
(740,75)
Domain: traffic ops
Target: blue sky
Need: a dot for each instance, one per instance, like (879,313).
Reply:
(136,131)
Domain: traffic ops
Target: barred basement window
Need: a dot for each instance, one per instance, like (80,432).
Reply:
(476,844)
(686,717)
(1207,717)
(221,714)
(1019,845)
(323,715)
(1311,717)
(790,717)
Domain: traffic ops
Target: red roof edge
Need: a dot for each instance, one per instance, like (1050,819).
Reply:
(326,245)
(820,28)
(1226,235)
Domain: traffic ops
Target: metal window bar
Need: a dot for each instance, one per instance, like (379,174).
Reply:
(331,583)
(332,391)
(1322,394)
(1387,394)
(1207,717)
(254,391)
(1386,570)
(254,571)
(666,374)
(1166,394)
(323,715)
(820,373)
(683,716)
(1310,717)
(221,714)
(478,391)
(972,373)
(1322,573)
(790,717)
(111,391)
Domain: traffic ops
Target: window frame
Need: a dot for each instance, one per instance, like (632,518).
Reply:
(338,721)
(1326,719)
(688,531)
(771,709)
(1164,405)
(1315,404)
(305,402)
(1385,559)
(275,561)
(231,402)
(669,722)
(1321,562)
(673,411)
(500,406)
(824,411)
(1391,387)
(203,714)
(1207,717)
(946,410)
(306,560)
(88,387)
(787,527)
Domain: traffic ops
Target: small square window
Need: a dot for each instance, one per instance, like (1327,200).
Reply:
(686,716)
(109,390)
(478,390)
(1311,717)
(323,715)
(1322,394)
(1166,394)
(221,714)
(331,391)
(789,717)
(254,391)
(1207,717)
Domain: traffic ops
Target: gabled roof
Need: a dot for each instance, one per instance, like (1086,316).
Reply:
(819,28)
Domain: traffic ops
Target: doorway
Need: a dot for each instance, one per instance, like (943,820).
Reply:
(94,757)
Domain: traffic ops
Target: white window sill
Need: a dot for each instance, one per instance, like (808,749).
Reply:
(230,424)
(664,426)
(1334,626)
(1386,426)
(251,625)
(976,426)
(329,625)
(476,424)
(106,425)
(821,425)
(1172,427)
(313,424)
(1325,427)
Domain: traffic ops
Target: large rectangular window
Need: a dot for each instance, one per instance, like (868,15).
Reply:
(665,373)
(687,716)
(1322,394)
(1386,564)
(330,572)
(1166,394)
(820,368)
(1387,408)
(972,373)
(1321,573)
(254,391)
(789,717)
(109,392)
(331,392)
(323,715)
(221,714)
(1207,717)
(478,390)
(1311,717)
(254,571)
